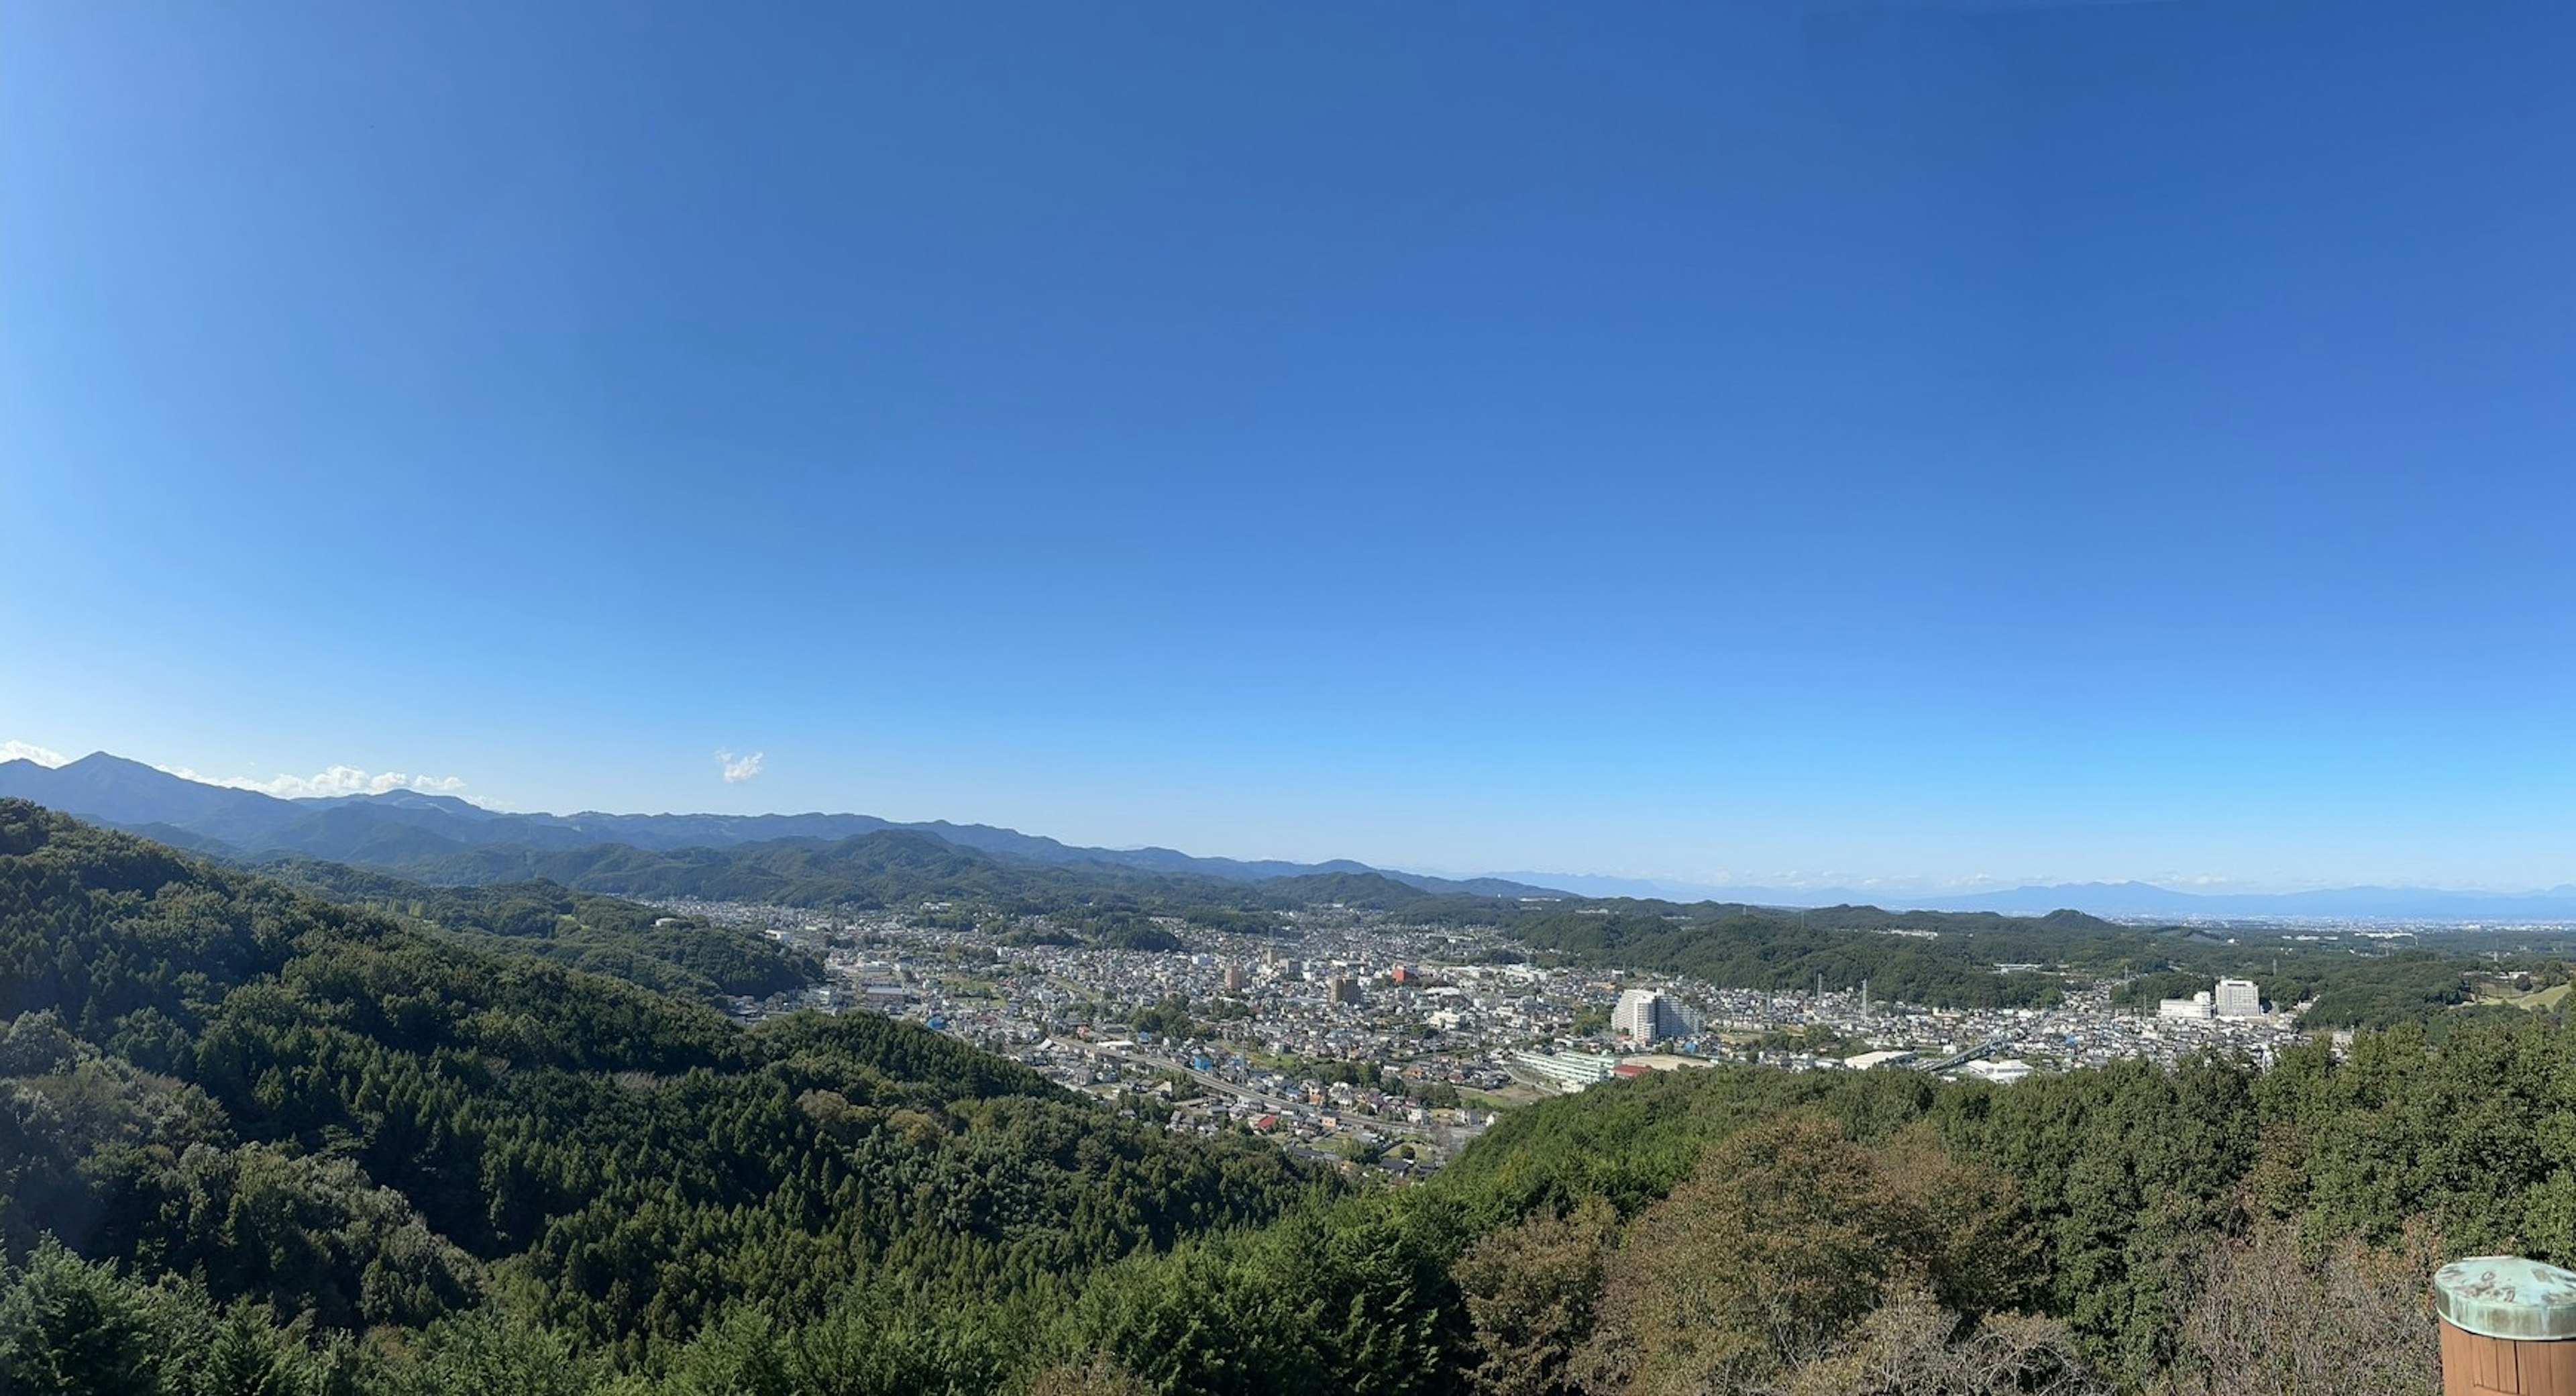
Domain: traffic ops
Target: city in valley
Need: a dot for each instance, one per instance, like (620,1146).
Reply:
(1376,1043)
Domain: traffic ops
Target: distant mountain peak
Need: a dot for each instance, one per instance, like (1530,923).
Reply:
(109,761)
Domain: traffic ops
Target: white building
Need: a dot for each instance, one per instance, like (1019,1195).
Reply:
(1646,1016)
(2004,1071)
(2238,998)
(1568,1071)
(2197,1006)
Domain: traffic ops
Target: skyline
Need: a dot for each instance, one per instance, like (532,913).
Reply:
(345,781)
(1931,446)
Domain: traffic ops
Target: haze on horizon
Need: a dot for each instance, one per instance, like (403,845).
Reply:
(2029,444)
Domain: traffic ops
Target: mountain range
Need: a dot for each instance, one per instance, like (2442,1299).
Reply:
(2120,899)
(442,838)
(456,840)
(2145,899)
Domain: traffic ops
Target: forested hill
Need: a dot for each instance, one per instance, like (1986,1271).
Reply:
(902,868)
(583,930)
(1949,960)
(330,1112)
(890,867)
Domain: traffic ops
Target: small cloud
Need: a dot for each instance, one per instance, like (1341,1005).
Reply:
(338,780)
(740,769)
(29,751)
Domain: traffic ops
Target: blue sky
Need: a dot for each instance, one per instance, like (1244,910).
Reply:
(1902,442)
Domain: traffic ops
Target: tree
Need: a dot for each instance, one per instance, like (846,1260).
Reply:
(2274,1318)
(1094,1374)
(249,1356)
(1912,1346)
(70,1328)
(1531,1290)
(1781,1243)
(1789,1237)
(37,1045)
(489,1351)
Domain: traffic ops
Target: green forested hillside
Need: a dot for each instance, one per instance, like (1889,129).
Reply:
(889,867)
(251,1142)
(1746,948)
(363,1127)
(581,930)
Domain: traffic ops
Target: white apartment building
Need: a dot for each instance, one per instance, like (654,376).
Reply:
(2238,998)
(1646,1016)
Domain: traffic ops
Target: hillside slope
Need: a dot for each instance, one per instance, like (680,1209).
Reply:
(328,1110)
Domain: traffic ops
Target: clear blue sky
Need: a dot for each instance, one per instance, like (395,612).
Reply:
(1760,442)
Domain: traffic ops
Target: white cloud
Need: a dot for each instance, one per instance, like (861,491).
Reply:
(740,769)
(338,780)
(29,751)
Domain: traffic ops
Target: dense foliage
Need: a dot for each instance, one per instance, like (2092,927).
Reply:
(2386,992)
(581,930)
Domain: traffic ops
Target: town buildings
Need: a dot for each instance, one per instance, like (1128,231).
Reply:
(1309,1037)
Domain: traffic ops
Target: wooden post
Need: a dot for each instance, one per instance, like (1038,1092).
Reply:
(2508,1327)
